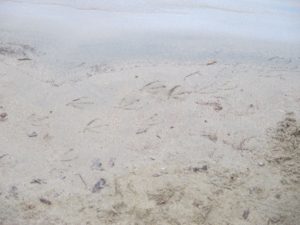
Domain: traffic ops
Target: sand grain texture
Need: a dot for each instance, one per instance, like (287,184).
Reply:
(209,141)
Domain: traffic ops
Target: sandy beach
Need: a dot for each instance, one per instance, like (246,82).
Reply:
(149,113)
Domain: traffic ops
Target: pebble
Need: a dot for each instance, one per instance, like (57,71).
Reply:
(278,196)
(211,62)
(246,214)
(37,181)
(199,169)
(156,175)
(33,134)
(111,162)
(45,201)
(97,165)
(274,219)
(261,163)
(99,185)
(204,168)
(163,170)
(3,116)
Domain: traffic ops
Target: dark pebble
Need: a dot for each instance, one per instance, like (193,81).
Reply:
(246,214)
(45,201)
(99,185)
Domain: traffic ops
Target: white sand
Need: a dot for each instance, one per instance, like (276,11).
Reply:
(114,116)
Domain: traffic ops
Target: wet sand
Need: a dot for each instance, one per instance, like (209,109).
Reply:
(116,122)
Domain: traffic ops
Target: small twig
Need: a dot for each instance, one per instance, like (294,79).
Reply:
(95,128)
(81,178)
(149,84)
(79,102)
(141,131)
(92,121)
(172,90)
(192,74)
(68,160)
(45,201)
(2,156)
(24,59)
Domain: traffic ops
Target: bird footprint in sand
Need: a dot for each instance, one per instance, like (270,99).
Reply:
(38,121)
(130,103)
(80,103)
(192,75)
(154,87)
(150,122)
(101,68)
(94,126)
(177,92)
(194,79)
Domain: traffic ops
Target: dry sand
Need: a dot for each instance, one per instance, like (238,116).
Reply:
(149,142)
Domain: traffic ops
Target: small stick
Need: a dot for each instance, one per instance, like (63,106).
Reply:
(149,84)
(24,59)
(81,178)
(172,90)
(191,74)
(2,156)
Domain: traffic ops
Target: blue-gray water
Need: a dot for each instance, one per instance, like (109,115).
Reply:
(102,30)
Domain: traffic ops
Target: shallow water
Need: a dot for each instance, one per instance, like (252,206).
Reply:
(99,30)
